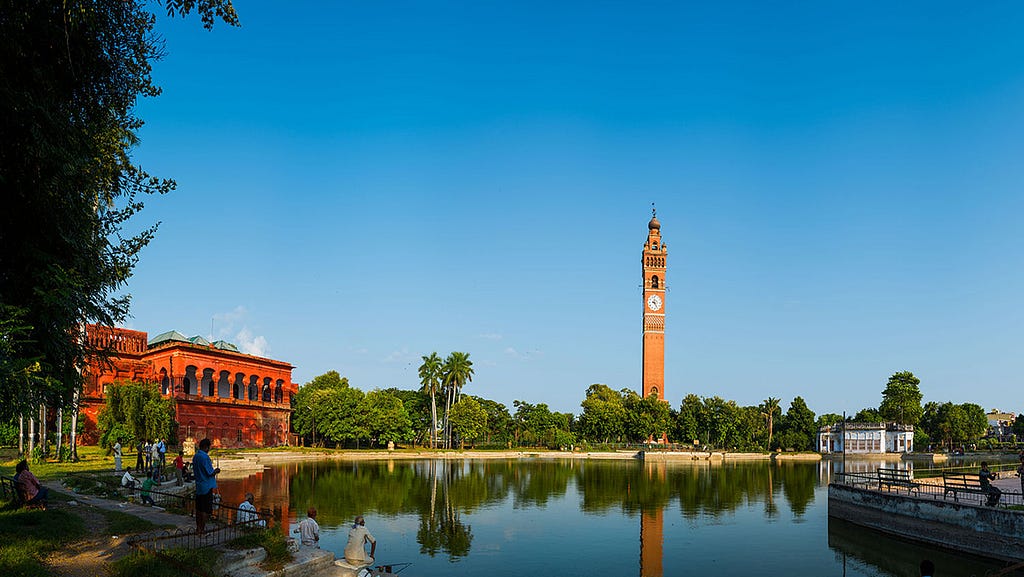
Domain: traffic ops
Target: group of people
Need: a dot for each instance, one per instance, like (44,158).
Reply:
(358,537)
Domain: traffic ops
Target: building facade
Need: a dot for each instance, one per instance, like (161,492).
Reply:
(866,438)
(653,261)
(235,399)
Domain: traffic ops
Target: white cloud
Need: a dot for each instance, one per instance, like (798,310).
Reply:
(252,345)
(524,355)
(490,336)
(400,356)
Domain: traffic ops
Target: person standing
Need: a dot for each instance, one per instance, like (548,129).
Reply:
(161,448)
(358,536)
(117,456)
(179,468)
(155,462)
(206,482)
(140,459)
(147,455)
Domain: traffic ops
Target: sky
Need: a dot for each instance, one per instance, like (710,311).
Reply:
(364,183)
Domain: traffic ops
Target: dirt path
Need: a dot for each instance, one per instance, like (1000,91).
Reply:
(89,556)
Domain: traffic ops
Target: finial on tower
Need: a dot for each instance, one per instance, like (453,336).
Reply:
(654,224)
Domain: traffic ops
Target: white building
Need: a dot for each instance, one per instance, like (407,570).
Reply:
(866,438)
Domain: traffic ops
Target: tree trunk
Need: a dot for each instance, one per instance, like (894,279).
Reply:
(60,431)
(21,434)
(31,436)
(42,429)
(433,414)
(73,437)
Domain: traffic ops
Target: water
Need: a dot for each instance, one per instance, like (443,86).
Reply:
(589,518)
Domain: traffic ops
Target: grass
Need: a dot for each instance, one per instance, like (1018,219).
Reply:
(27,536)
(119,523)
(275,544)
(152,566)
(91,460)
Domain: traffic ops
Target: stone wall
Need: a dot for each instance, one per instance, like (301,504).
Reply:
(984,531)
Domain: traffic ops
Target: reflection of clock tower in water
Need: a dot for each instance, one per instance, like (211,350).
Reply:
(653,261)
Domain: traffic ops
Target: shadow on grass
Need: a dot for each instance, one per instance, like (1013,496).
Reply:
(27,536)
(176,564)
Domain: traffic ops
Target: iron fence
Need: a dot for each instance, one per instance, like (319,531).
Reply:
(928,488)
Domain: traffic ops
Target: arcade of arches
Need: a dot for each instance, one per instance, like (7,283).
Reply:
(236,400)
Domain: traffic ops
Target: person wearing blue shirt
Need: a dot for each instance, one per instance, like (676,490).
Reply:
(206,482)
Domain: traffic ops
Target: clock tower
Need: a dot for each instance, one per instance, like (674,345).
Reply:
(653,263)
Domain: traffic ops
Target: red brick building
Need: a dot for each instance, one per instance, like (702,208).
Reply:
(235,399)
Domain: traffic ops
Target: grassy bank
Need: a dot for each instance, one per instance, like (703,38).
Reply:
(28,536)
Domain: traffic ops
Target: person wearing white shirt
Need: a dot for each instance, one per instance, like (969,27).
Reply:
(117,456)
(127,480)
(247,512)
(309,530)
(358,536)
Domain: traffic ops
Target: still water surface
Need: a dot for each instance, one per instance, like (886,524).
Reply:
(589,518)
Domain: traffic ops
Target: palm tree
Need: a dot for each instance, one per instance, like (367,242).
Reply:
(430,378)
(457,371)
(768,409)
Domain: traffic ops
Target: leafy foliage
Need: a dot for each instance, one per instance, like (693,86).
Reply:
(135,412)
(383,417)
(469,420)
(951,424)
(604,414)
(901,399)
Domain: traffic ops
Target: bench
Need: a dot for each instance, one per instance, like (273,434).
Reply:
(899,478)
(956,483)
(10,490)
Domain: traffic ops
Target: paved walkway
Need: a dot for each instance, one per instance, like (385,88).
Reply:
(155,515)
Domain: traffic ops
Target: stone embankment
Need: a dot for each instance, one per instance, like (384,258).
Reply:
(996,533)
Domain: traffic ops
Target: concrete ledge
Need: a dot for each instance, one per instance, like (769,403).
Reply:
(308,562)
(984,531)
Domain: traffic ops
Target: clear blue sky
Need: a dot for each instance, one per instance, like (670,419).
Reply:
(360,184)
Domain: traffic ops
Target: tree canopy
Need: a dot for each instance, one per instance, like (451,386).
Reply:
(136,412)
(72,74)
(901,399)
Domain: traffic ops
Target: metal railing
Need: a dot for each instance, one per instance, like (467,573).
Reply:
(927,488)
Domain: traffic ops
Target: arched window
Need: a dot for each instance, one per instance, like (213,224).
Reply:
(654,281)
(186,384)
(254,388)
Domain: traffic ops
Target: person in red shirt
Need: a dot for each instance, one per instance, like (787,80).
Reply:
(179,467)
(32,492)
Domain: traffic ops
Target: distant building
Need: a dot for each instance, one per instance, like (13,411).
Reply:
(235,399)
(1000,425)
(866,438)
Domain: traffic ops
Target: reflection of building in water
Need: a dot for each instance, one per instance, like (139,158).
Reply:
(866,438)
(651,529)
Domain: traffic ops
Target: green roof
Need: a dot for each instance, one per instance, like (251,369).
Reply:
(169,336)
(176,337)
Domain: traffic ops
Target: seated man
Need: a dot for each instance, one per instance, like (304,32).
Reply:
(127,480)
(309,529)
(986,477)
(32,492)
(355,550)
(247,513)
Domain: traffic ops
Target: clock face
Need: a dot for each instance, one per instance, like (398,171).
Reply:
(654,302)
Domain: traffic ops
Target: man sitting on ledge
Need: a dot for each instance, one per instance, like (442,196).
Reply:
(355,551)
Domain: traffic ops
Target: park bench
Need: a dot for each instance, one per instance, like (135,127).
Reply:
(957,483)
(10,490)
(899,478)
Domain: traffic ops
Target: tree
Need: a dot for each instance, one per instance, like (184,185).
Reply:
(328,408)
(457,371)
(430,377)
(469,420)
(689,418)
(769,409)
(867,415)
(603,414)
(73,72)
(827,419)
(383,417)
(499,421)
(901,399)
(647,417)
(798,430)
(134,412)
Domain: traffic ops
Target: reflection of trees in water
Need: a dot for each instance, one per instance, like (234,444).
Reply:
(441,491)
